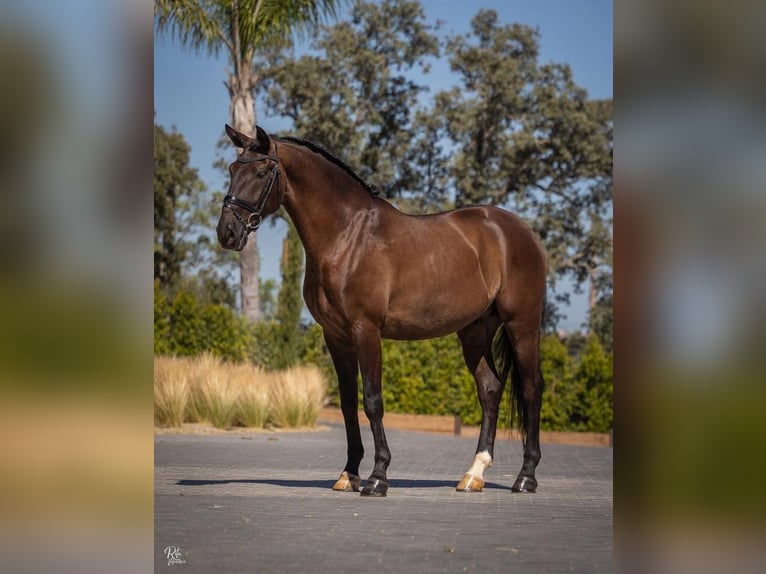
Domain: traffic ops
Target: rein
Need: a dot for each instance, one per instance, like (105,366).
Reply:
(256,210)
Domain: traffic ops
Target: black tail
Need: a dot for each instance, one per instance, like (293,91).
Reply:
(502,353)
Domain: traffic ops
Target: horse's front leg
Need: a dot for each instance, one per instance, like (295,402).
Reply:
(347,367)
(367,344)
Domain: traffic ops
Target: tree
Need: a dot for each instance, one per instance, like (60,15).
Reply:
(355,93)
(175,184)
(290,301)
(240,28)
(485,115)
(268,299)
(185,258)
(601,321)
(528,136)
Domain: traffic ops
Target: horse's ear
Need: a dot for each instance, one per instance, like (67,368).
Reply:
(262,143)
(238,139)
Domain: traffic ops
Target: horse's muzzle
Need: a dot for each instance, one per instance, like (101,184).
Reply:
(231,237)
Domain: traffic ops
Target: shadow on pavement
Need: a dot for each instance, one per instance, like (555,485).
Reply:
(394,483)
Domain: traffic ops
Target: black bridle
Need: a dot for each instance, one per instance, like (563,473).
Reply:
(256,210)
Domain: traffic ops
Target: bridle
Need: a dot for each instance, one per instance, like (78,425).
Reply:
(256,210)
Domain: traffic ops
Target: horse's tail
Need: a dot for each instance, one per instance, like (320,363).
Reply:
(502,353)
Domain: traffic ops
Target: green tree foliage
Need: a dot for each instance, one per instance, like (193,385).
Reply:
(184,326)
(268,299)
(161,321)
(601,320)
(490,111)
(355,94)
(559,394)
(429,377)
(595,376)
(175,185)
(290,300)
(186,259)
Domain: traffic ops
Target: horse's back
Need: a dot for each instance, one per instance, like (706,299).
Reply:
(498,232)
(451,267)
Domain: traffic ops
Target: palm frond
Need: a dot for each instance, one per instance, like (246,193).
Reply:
(281,20)
(243,25)
(197,24)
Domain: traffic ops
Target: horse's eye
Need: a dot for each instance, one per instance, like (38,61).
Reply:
(261,173)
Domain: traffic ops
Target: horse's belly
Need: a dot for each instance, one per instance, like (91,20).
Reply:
(404,331)
(433,317)
(438,295)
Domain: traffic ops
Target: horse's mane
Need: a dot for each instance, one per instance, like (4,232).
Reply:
(318,148)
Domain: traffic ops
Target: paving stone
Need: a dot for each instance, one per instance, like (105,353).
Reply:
(265,504)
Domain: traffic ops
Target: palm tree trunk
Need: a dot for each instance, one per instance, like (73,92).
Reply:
(242,111)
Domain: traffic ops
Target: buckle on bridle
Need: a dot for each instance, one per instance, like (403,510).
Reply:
(253,222)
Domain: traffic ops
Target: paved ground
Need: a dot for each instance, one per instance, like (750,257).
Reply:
(264,504)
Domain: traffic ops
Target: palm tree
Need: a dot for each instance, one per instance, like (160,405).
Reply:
(241,28)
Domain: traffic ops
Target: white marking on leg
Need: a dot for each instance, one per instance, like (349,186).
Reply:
(481,462)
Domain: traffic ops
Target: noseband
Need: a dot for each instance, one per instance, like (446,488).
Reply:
(256,210)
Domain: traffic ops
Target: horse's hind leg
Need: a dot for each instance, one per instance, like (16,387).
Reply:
(527,388)
(476,340)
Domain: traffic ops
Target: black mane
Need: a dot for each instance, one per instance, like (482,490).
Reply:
(318,148)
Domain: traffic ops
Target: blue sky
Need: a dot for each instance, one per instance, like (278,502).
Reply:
(189,92)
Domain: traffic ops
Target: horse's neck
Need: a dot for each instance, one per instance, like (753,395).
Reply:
(323,200)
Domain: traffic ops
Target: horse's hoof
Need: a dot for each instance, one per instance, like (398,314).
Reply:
(524,484)
(348,482)
(375,487)
(470,483)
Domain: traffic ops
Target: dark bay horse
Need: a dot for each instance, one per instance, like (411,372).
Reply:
(373,272)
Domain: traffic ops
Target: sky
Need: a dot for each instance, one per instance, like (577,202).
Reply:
(189,92)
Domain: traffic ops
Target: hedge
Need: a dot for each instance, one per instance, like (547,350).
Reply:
(425,377)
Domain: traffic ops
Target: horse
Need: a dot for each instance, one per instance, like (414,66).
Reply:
(373,272)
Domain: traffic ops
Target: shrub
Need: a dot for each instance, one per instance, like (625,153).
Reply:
(296,397)
(197,370)
(218,396)
(560,393)
(252,389)
(595,375)
(225,394)
(184,327)
(252,406)
(429,377)
(224,334)
(171,393)
(220,399)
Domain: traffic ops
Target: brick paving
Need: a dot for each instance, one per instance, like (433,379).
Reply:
(263,503)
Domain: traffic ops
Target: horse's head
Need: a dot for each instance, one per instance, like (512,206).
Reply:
(256,187)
